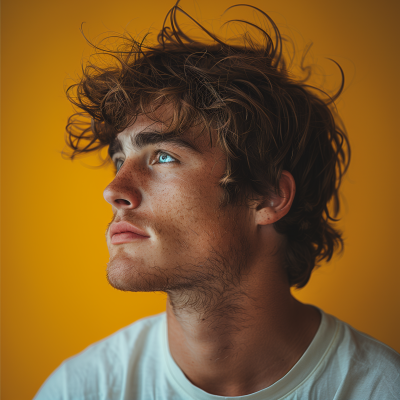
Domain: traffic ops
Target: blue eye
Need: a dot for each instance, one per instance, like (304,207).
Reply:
(118,164)
(164,158)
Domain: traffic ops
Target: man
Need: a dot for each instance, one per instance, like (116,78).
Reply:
(225,166)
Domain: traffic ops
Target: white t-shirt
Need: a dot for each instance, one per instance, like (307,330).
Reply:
(135,363)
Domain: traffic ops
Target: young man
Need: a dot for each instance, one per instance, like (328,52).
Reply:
(225,166)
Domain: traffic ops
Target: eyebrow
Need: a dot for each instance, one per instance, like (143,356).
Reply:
(144,139)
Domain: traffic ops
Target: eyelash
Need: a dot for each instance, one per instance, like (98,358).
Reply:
(159,152)
(156,156)
(116,165)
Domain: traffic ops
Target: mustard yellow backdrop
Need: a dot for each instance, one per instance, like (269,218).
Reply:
(55,298)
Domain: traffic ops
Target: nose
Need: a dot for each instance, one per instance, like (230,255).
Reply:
(123,192)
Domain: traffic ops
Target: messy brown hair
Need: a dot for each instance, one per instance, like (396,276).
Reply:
(266,121)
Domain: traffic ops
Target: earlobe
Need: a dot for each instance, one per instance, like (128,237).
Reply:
(277,206)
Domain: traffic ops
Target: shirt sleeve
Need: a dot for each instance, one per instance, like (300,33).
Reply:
(54,388)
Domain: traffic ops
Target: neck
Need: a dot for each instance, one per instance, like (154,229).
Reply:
(237,340)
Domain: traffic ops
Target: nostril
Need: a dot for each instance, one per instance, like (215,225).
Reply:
(123,202)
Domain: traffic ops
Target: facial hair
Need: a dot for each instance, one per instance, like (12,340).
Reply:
(210,286)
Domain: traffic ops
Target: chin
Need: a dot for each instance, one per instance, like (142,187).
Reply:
(126,274)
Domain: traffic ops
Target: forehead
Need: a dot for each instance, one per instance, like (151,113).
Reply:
(142,125)
(156,128)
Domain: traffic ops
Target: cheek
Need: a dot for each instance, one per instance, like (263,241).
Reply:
(184,193)
(185,206)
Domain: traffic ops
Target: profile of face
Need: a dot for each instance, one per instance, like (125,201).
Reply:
(169,230)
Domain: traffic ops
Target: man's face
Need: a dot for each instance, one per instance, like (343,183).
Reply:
(171,193)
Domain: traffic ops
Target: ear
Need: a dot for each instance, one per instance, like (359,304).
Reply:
(277,206)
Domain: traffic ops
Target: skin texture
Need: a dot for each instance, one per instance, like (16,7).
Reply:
(233,326)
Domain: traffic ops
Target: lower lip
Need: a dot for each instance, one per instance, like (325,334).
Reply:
(126,237)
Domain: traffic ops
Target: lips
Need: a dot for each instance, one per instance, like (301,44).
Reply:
(123,232)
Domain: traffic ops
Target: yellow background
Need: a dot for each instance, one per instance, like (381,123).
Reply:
(55,298)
